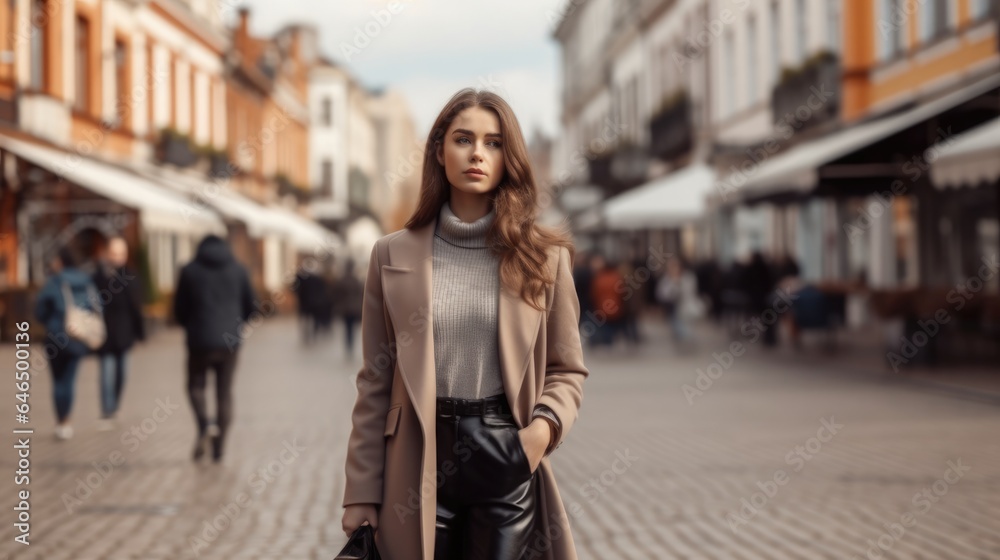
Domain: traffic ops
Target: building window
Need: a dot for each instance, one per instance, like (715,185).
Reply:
(121,82)
(327,110)
(39,29)
(775,42)
(730,66)
(81,65)
(889,28)
(751,67)
(833,25)
(801,30)
(980,9)
(326,185)
(933,19)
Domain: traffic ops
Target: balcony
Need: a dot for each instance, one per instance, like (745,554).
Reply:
(619,169)
(809,94)
(175,148)
(671,131)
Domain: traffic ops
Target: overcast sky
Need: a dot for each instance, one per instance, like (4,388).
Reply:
(432,48)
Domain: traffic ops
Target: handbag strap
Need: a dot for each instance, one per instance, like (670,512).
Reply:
(95,300)
(67,295)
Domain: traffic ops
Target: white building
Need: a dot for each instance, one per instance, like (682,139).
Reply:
(328,141)
(752,45)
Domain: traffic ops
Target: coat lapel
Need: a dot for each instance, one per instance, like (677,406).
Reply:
(407,291)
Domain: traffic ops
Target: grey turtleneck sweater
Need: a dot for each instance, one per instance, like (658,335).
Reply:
(465,292)
(466,289)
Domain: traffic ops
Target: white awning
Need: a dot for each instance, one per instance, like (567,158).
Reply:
(796,170)
(670,201)
(159,208)
(261,221)
(969,159)
(306,235)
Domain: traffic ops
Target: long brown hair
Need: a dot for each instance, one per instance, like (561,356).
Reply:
(520,243)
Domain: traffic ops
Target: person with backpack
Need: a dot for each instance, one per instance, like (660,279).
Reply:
(69,307)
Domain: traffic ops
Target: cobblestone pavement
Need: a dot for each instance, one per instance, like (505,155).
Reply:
(763,458)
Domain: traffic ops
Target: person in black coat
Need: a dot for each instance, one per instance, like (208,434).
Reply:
(311,291)
(759,283)
(214,299)
(349,295)
(121,294)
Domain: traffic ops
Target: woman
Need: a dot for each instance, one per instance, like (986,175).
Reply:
(473,366)
(64,353)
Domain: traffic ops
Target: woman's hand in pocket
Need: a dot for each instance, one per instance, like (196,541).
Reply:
(535,439)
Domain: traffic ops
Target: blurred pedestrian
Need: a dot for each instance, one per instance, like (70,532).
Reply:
(759,282)
(710,284)
(787,279)
(349,293)
(583,277)
(310,292)
(324,311)
(121,296)
(606,299)
(677,292)
(67,291)
(214,298)
(631,306)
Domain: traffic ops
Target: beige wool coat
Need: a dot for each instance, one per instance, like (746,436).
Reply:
(392,455)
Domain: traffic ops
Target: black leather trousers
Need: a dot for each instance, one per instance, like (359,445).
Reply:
(487,495)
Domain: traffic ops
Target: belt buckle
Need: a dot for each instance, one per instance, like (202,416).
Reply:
(447,408)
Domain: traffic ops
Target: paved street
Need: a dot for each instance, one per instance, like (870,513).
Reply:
(765,458)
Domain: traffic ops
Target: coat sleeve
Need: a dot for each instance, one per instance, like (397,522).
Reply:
(366,446)
(564,367)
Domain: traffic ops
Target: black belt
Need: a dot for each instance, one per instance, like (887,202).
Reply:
(473,407)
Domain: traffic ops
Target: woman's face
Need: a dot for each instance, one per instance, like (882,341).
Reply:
(472,151)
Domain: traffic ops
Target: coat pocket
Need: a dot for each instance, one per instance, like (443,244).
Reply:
(392,420)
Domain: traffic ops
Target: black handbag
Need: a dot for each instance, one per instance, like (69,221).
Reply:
(361,545)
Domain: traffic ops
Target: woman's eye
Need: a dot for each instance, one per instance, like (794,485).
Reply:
(494,144)
(462,139)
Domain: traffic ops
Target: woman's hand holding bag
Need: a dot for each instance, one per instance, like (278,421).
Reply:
(361,544)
